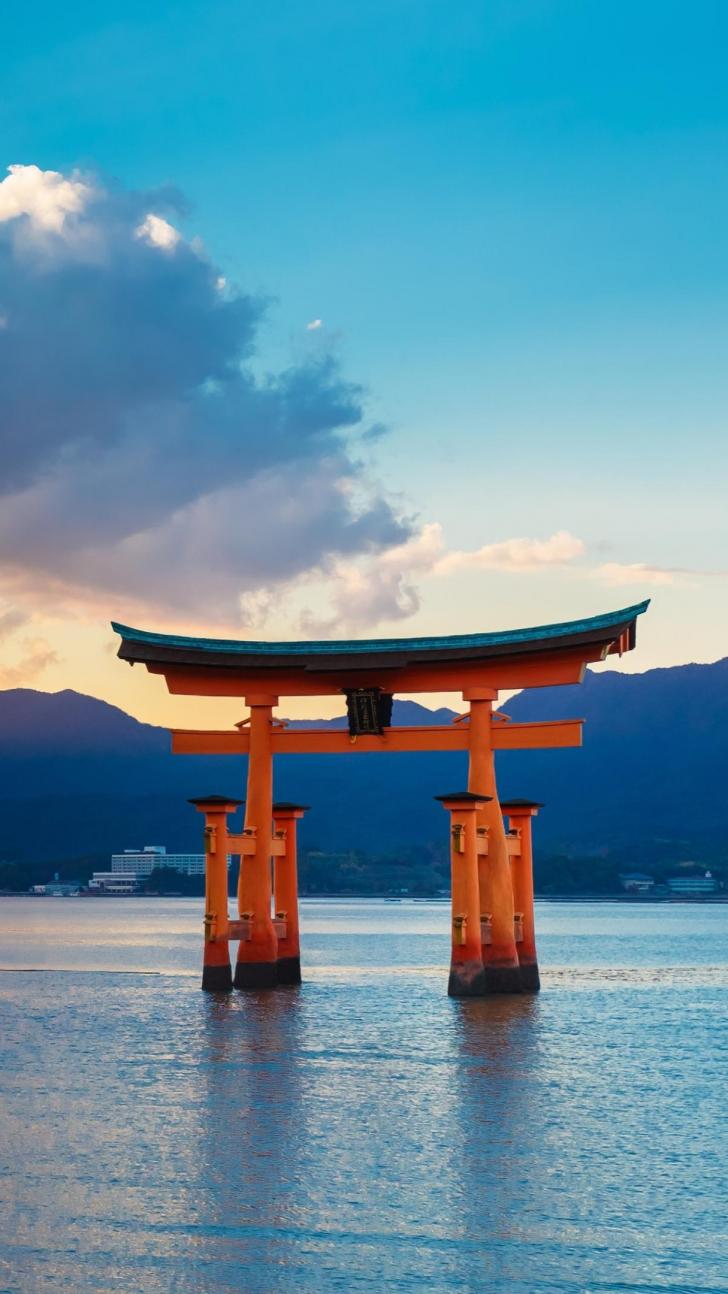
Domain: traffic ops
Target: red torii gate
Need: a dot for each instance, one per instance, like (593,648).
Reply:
(493,943)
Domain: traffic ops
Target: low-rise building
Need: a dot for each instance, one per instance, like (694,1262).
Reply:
(706,884)
(636,882)
(113,883)
(57,889)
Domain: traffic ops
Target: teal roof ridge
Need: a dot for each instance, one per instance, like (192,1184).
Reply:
(338,646)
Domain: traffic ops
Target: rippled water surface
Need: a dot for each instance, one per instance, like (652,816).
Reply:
(363,1133)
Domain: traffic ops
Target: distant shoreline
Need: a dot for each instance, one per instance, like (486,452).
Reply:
(412,898)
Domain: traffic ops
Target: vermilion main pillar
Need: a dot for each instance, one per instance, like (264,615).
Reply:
(500,958)
(257,955)
(285,872)
(216,973)
(520,813)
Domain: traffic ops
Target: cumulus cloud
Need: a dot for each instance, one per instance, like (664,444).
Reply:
(159,233)
(620,573)
(11,618)
(33,655)
(148,469)
(144,462)
(37,656)
(43,198)
(384,587)
(515,555)
(617,574)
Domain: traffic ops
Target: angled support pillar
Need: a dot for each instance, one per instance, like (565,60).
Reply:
(520,814)
(285,888)
(216,974)
(466,963)
(258,953)
(500,959)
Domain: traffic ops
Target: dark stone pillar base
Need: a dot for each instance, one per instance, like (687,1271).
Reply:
(217,979)
(466,980)
(502,979)
(255,975)
(530,980)
(289,970)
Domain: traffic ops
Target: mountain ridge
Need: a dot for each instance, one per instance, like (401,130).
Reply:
(94,779)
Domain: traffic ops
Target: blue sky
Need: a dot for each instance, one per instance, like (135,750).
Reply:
(510,220)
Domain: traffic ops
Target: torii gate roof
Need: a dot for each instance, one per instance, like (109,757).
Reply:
(400,659)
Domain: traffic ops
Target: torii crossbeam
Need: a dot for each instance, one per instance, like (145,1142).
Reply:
(493,947)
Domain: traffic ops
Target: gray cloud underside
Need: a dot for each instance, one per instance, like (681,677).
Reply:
(141,456)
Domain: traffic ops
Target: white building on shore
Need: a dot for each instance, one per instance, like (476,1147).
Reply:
(636,882)
(706,884)
(113,883)
(142,862)
(129,867)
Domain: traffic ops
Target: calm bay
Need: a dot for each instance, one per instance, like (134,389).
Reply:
(363,1132)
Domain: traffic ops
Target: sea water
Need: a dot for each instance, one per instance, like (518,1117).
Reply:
(363,1132)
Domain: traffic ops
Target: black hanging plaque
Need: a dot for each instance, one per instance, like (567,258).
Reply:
(369,710)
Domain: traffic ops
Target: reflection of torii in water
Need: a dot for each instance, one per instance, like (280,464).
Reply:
(493,946)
